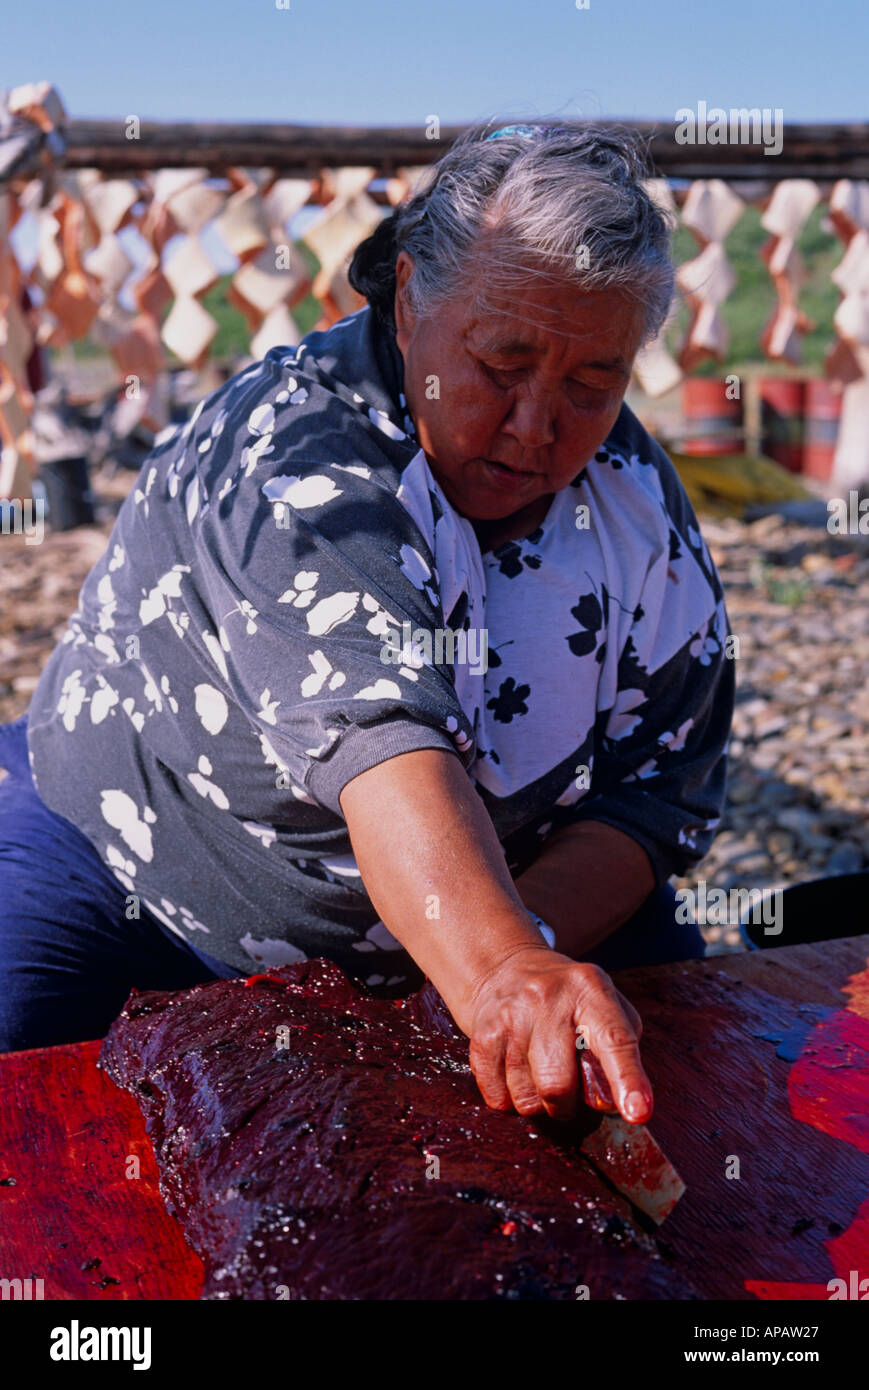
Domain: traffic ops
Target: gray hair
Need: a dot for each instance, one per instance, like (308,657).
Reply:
(561,201)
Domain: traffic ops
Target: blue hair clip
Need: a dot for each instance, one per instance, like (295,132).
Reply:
(525,132)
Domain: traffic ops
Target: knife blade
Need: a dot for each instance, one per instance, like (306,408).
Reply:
(631,1160)
(626,1154)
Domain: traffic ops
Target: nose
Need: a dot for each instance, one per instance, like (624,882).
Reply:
(531,421)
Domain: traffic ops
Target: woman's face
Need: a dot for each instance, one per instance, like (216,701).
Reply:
(508,408)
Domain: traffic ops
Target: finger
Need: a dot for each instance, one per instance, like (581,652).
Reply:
(523,1090)
(619,1056)
(615,1044)
(486,1056)
(633,1017)
(552,1061)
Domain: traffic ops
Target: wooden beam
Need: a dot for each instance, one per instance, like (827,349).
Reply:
(829,151)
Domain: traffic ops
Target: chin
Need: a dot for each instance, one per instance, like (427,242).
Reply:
(479,508)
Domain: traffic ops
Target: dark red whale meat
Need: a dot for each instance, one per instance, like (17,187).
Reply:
(359,1161)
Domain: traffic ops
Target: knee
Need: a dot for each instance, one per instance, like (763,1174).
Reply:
(46,998)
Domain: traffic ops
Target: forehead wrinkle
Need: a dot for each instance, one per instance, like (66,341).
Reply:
(548,319)
(507,345)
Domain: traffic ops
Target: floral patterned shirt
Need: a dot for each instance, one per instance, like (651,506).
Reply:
(263,627)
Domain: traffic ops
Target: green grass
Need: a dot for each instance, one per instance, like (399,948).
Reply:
(753,298)
(789,590)
(232,339)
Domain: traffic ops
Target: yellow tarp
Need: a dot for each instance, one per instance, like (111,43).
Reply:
(725,484)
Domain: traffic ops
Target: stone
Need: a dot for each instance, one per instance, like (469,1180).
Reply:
(846,859)
(797,818)
(741,791)
(779,843)
(773,724)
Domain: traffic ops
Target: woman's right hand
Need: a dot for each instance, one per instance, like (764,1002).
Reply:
(528,1018)
(523,1006)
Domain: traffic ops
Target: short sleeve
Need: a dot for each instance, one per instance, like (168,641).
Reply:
(320,577)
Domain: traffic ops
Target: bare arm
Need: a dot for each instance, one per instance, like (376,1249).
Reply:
(422,838)
(587,881)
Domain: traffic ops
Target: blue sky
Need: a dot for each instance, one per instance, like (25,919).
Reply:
(399,61)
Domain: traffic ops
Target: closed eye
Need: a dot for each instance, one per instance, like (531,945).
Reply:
(593,396)
(503,376)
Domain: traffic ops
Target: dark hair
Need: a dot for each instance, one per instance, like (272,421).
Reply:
(372,269)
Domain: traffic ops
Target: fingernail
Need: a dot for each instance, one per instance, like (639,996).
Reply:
(636,1105)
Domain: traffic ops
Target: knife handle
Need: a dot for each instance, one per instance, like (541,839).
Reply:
(595,1085)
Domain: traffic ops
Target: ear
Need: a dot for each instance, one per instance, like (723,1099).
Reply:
(404,317)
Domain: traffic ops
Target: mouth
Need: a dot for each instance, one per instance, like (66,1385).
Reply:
(504,477)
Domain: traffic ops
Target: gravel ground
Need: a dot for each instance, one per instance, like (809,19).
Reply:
(798,792)
(798,601)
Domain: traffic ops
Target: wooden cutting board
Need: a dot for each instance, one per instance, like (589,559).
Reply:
(760,1064)
(69,1138)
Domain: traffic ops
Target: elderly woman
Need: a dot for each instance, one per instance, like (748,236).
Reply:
(405,651)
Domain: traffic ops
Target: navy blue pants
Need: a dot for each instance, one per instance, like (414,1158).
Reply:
(69,955)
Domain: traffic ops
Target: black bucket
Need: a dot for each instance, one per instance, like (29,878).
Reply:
(824,909)
(68,496)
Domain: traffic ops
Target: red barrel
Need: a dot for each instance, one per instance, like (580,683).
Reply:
(713,423)
(782,401)
(822,410)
